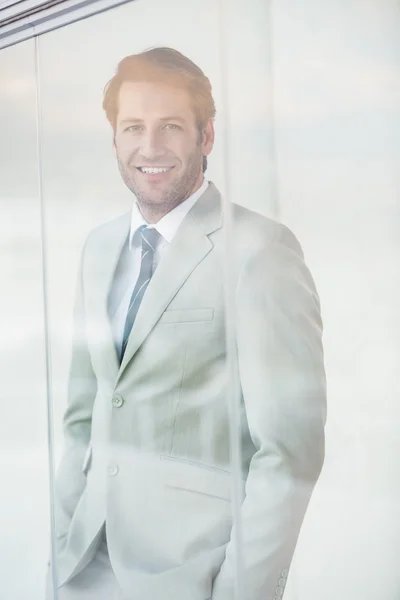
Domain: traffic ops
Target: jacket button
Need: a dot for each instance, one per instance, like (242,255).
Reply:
(117,401)
(112,470)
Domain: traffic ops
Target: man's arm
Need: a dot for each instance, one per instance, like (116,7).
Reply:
(82,387)
(280,356)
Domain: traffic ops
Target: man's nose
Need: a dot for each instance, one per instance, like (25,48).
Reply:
(151,145)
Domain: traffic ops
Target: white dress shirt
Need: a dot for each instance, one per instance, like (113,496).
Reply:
(129,264)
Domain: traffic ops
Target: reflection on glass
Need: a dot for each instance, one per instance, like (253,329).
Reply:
(333,90)
(337,112)
(24,507)
(144,483)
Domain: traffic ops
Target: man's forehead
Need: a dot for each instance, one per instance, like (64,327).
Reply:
(153,91)
(137,99)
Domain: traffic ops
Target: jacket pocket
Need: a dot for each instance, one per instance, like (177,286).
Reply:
(196,477)
(194,315)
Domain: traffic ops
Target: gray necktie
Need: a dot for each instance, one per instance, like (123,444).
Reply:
(149,239)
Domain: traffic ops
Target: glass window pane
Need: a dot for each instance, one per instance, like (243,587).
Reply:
(24,514)
(179,411)
(306,130)
(337,106)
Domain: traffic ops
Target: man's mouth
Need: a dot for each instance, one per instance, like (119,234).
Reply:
(154,170)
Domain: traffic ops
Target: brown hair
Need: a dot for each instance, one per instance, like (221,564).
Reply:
(162,64)
(168,65)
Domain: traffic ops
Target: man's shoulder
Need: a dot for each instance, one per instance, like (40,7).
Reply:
(257,230)
(246,218)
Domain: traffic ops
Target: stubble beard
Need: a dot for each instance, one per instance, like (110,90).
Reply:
(176,193)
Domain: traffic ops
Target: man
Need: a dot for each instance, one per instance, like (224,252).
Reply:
(144,507)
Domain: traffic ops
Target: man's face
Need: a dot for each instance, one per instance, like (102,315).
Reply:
(158,144)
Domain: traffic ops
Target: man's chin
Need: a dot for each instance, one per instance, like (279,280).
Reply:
(154,197)
(152,200)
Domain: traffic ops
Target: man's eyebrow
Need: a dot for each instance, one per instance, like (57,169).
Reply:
(176,118)
(130,120)
(135,120)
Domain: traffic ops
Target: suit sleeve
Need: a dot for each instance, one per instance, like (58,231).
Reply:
(82,387)
(281,367)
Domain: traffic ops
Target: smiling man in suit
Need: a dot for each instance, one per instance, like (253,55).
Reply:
(144,507)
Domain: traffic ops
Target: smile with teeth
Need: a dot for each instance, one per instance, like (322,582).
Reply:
(154,170)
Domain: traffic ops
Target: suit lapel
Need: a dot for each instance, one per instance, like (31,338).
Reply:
(189,247)
(104,270)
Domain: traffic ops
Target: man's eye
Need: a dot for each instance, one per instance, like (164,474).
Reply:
(172,126)
(132,128)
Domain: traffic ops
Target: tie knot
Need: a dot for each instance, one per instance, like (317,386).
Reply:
(149,237)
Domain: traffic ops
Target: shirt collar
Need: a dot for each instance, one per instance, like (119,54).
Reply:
(169,224)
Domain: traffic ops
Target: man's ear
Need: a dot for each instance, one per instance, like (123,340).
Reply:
(208,137)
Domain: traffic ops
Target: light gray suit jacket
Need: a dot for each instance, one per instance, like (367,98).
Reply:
(147,441)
